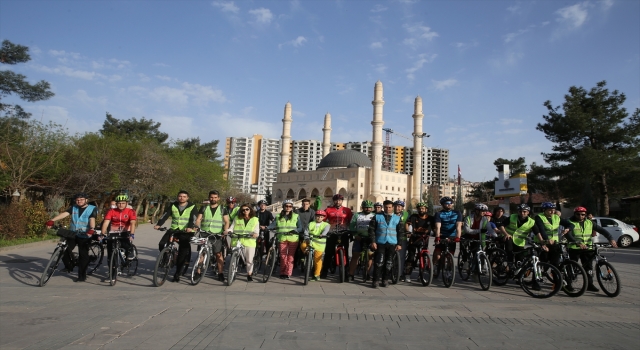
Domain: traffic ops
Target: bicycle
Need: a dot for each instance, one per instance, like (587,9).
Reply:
(166,260)
(118,261)
(474,262)
(366,255)
(537,279)
(605,273)
(340,258)
(574,277)
(309,262)
(204,256)
(58,252)
(422,260)
(237,256)
(271,258)
(445,265)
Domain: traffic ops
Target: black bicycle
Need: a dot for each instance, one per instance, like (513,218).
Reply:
(95,256)
(446,265)
(166,260)
(121,263)
(574,277)
(472,260)
(366,255)
(605,273)
(309,262)
(270,258)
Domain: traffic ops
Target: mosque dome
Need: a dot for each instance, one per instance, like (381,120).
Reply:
(345,158)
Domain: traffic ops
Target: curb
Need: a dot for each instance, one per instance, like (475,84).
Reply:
(26,245)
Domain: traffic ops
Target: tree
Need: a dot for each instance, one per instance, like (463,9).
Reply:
(133,129)
(430,203)
(268,197)
(459,205)
(13,83)
(516,166)
(595,141)
(207,150)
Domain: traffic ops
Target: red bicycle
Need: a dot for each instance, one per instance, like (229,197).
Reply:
(339,261)
(425,266)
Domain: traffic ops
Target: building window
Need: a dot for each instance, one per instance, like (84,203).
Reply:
(362,184)
(386,187)
(360,196)
(352,185)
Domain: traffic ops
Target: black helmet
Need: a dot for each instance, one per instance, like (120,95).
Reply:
(445,199)
(262,201)
(337,196)
(523,207)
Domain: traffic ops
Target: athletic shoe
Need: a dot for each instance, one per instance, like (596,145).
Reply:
(249,279)
(593,288)
(221,277)
(383,284)
(315,278)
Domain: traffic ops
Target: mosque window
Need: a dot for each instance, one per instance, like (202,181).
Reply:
(352,185)
(360,196)
(386,187)
(362,184)
(393,188)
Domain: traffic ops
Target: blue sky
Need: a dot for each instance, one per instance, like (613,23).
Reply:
(216,69)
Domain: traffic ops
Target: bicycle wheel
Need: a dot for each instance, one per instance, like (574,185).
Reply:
(395,268)
(51,266)
(484,272)
(499,266)
(96,252)
(425,269)
(269,264)
(340,265)
(364,265)
(448,269)
(114,266)
(574,278)
(307,266)
(464,266)
(132,265)
(200,267)
(163,265)
(233,268)
(543,283)
(608,279)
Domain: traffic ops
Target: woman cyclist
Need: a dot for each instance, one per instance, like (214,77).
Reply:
(246,223)
(288,228)
(317,229)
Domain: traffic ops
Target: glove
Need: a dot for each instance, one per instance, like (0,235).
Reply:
(457,239)
(49,223)
(437,240)
(91,232)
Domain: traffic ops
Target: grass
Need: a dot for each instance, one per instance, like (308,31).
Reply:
(12,242)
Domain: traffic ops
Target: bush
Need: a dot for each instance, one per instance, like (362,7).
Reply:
(23,220)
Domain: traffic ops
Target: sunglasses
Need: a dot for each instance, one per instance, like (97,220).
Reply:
(288,206)
(246,209)
(448,203)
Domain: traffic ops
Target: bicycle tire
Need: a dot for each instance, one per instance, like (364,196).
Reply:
(307,268)
(425,269)
(499,266)
(232,269)
(573,275)
(163,265)
(364,265)
(96,252)
(340,266)
(114,263)
(133,263)
(549,281)
(608,279)
(51,266)
(202,264)
(485,275)
(448,269)
(269,264)
(395,268)
(257,262)
(464,271)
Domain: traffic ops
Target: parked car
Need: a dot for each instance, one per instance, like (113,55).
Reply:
(624,234)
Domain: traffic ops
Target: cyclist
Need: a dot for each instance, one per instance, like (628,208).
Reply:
(385,232)
(182,214)
(518,229)
(377,208)
(231,208)
(337,215)
(288,228)
(307,215)
(83,223)
(214,219)
(265,217)
(318,228)
(246,223)
(418,226)
(477,225)
(448,223)
(359,228)
(549,222)
(499,218)
(120,223)
(583,230)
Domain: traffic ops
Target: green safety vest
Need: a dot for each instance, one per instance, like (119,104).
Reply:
(179,222)
(484,222)
(245,229)
(284,226)
(316,230)
(519,233)
(551,228)
(360,223)
(233,213)
(212,223)
(582,235)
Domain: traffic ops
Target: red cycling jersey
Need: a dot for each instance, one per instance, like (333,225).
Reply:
(120,219)
(339,216)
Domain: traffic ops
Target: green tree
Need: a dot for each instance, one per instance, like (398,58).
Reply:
(207,150)
(595,141)
(133,129)
(516,166)
(13,83)
(459,204)
(269,197)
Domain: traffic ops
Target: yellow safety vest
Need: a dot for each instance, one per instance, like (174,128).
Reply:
(212,223)
(582,235)
(551,228)
(180,221)
(521,233)
(284,226)
(316,230)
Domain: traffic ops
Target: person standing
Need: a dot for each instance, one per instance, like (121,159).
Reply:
(120,223)
(418,227)
(316,236)
(385,232)
(288,229)
(183,214)
(555,227)
(307,215)
(448,224)
(359,228)
(214,219)
(338,217)
(232,208)
(83,223)
(265,217)
(398,209)
(246,223)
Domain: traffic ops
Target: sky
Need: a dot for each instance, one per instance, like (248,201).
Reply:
(217,69)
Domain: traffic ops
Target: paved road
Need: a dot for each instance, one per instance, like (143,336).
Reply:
(287,315)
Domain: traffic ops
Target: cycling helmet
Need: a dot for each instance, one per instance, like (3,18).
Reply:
(80,195)
(580,209)
(487,213)
(231,200)
(321,213)
(122,198)
(547,205)
(367,204)
(377,204)
(399,202)
(421,204)
(262,201)
(523,206)
(481,207)
(287,201)
(337,196)
(445,199)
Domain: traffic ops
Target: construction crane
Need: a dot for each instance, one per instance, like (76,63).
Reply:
(387,162)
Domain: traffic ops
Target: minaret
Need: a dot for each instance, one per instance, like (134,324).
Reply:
(326,135)
(417,149)
(376,145)
(285,154)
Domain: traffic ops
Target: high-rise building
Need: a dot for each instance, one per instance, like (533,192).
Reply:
(252,163)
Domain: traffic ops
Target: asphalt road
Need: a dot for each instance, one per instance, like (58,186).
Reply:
(284,314)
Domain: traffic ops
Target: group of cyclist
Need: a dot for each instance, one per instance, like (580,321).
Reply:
(383,228)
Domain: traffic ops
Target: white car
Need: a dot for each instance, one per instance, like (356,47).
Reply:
(624,234)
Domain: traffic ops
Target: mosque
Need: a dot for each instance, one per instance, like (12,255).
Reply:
(349,172)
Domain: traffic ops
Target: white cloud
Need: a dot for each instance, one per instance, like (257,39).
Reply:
(164,65)
(163,77)
(606,4)
(511,36)
(417,65)
(464,46)
(169,95)
(297,42)
(376,45)
(83,96)
(380,68)
(64,54)
(66,71)
(443,84)
(198,94)
(422,32)
(573,16)
(378,8)
(143,77)
(509,59)
(119,64)
(203,94)
(262,15)
(514,9)
(228,6)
